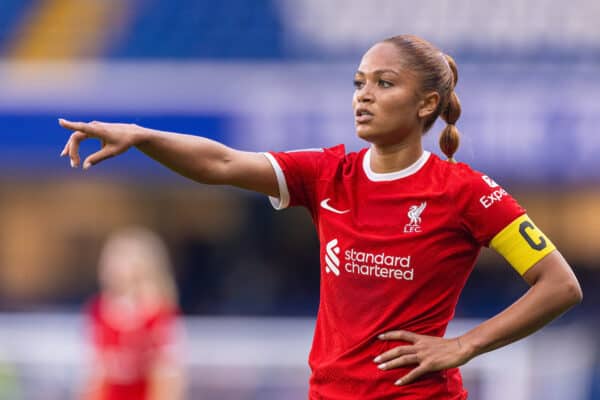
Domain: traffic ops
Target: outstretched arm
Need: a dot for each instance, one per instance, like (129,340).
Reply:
(197,158)
(554,289)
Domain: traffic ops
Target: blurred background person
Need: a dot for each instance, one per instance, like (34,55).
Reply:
(133,324)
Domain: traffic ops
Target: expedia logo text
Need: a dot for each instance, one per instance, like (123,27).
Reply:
(488,200)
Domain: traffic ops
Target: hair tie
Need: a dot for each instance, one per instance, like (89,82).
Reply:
(445,61)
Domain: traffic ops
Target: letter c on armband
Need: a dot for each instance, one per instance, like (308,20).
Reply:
(540,245)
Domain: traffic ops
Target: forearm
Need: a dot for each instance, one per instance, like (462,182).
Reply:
(92,388)
(197,158)
(542,303)
(167,382)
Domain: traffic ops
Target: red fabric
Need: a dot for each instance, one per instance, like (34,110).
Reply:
(377,243)
(127,354)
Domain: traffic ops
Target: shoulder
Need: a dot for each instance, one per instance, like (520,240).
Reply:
(338,154)
(163,325)
(309,157)
(462,175)
(334,154)
(92,307)
(337,151)
(477,192)
(93,315)
(327,160)
(464,184)
(336,161)
(162,313)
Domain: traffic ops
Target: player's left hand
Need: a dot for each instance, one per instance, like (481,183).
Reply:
(428,353)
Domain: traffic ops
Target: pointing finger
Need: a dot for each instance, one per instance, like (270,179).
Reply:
(89,129)
(68,124)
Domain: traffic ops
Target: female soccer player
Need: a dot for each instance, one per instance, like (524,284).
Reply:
(400,229)
(132,322)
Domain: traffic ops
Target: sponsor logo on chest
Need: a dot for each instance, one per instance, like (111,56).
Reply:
(366,264)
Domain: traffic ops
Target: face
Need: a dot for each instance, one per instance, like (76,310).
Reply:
(386,102)
(119,269)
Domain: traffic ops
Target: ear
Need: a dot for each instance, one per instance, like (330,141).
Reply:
(428,104)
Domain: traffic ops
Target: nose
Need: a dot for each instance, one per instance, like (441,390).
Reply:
(364,95)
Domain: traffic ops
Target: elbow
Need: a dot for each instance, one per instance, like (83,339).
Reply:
(573,293)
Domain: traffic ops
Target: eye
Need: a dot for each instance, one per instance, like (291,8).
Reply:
(358,84)
(385,84)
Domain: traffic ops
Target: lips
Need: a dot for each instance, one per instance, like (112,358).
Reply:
(363,115)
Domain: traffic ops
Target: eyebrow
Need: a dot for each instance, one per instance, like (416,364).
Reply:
(379,71)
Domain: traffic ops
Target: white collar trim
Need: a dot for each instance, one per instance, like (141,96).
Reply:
(390,176)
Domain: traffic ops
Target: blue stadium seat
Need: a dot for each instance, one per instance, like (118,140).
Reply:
(11,14)
(208,29)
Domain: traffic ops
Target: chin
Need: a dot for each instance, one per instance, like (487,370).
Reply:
(366,133)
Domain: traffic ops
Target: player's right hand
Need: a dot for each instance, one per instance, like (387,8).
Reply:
(115,139)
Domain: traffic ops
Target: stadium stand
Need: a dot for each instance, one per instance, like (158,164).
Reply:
(12,13)
(224,29)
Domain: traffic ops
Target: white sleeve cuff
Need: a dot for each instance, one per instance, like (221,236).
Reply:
(284,195)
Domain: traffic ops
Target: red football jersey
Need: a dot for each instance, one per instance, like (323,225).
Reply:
(396,250)
(128,352)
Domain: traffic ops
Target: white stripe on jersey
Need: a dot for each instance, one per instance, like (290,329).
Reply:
(300,150)
(284,195)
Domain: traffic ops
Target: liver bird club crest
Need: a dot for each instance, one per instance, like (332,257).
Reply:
(414,215)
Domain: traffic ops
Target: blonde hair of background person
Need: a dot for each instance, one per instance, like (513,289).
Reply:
(401,86)
(137,299)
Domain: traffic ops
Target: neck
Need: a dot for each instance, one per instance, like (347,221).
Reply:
(395,157)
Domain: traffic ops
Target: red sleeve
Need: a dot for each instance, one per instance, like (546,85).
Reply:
(163,328)
(297,174)
(486,207)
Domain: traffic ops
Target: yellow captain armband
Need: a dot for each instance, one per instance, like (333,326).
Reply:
(522,244)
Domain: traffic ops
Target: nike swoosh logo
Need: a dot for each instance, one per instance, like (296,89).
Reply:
(325,205)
